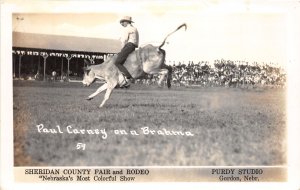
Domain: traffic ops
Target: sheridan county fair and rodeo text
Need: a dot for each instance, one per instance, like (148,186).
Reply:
(137,174)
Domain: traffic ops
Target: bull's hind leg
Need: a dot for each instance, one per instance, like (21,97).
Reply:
(162,75)
(166,72)
(100,89)
(169,76)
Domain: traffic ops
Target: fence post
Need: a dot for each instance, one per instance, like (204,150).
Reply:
(45,55)
(62,68)
(68,58)
(20,62)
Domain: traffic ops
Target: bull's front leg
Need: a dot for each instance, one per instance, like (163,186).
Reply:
(100,89)
(111,84)
(106,96)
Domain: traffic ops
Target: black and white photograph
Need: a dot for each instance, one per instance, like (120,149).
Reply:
(151,92)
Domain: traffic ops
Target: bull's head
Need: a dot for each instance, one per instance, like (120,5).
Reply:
(88,76)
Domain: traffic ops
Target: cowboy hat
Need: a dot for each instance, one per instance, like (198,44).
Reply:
(126,18)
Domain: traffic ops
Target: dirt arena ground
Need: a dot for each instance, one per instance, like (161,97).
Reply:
(147,126)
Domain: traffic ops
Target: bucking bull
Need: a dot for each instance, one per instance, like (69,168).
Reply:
(145,60)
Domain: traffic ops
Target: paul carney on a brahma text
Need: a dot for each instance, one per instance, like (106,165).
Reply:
(41,128)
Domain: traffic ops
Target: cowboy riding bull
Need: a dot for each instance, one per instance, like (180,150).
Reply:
(145,60)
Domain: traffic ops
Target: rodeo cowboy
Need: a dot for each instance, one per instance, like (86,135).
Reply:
(129,41)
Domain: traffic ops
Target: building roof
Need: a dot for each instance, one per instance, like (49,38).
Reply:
(65,43)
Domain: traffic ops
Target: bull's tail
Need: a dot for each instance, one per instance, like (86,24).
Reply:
(163,43)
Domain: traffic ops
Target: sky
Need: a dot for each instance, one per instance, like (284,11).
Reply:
(231,31)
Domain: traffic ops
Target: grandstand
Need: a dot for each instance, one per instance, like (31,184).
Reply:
(37,56)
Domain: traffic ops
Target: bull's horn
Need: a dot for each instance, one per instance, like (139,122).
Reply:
(86,68)
(87,62)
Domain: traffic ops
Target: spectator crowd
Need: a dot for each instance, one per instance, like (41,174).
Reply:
(225,73)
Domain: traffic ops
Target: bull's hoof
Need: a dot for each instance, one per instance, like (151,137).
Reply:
(88,98)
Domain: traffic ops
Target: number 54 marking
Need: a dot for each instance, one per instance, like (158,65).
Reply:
(80,146)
